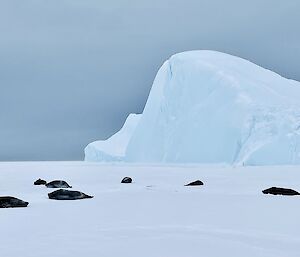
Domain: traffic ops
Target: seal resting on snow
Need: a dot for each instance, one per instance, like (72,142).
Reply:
(126,180)
(195,183)
(280,191)
(11,202)
(40,182)
(63,194)
(58,184)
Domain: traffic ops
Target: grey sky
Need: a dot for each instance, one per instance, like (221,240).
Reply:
(71,71)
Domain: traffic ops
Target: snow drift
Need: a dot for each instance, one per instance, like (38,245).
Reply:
(211,107)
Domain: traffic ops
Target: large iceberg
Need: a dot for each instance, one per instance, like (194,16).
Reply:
(211,107)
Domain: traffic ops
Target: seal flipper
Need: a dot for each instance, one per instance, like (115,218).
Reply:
(88,196)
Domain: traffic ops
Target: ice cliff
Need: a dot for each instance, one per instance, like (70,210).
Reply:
(211,107)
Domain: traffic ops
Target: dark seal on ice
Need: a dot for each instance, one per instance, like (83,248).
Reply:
(11,202)
(58,184)
(280,191)
(126,180)
(63,194)
(40,182)
(195,183)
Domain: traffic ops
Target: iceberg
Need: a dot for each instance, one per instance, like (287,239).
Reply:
(211,107)
(114,148)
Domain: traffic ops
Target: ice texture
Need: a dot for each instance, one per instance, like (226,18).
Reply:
(211,107)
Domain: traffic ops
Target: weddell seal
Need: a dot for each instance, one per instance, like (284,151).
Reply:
(195,183)
(58,184)
(63,194)
(40,182)
(280,191)
(11,202)
(126,180)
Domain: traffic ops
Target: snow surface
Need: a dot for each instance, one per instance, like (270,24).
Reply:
(153,217)
(211,107)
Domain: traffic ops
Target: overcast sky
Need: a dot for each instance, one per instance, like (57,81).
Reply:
(72,70)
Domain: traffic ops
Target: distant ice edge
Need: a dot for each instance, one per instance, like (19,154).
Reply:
(210,107)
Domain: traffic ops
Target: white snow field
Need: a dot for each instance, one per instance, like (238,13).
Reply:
(211,107)
(153,217)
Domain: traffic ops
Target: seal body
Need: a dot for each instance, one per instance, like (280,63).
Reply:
(58,184)
(40,182)
(195,183)
(280,191)
(126,180)
(63,194)
(11,202)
